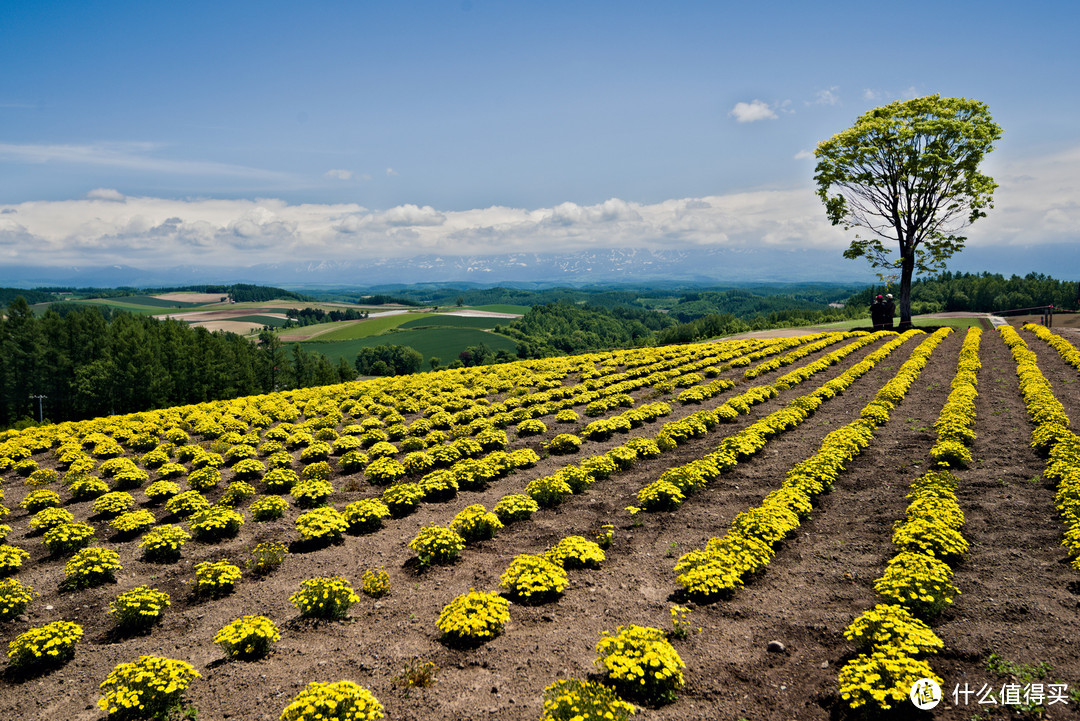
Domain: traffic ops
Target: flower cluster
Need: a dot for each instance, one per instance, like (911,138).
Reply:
(892,625)
(339,701)
(163,544)
(954,424)
(883,679)
(146,688)
(91,567)
(473,618)
(435,544)
(515,507)
(321,525)
(375,583)
(47,645)
(533,579)
(366,515)
(247,638)
(216,523)
(642,663)
(215,578)
(11,558)
(139,608)
(268,508)
(133,522)
(401,499)
(324,597)
(475,523)
(574,700)
(576,552)
(14,597)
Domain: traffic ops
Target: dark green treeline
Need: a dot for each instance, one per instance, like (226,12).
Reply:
(88,365)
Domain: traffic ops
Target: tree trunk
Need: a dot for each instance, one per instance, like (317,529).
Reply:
(907,268)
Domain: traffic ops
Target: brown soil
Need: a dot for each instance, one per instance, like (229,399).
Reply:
(1019,595)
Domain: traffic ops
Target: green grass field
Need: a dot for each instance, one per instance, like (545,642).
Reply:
(917,321)
(442,343)
(346,330)
(453,321)
(503,308)
(269,320)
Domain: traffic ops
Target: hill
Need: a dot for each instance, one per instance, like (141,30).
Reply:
(719,419)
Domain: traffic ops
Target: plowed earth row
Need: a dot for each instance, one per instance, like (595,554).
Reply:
(1018,593)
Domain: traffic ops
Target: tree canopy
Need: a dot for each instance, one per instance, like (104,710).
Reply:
(908,173)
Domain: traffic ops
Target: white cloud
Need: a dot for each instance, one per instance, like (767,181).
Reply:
(105,194)
(128,155)
(803,155)
(1035,204)
(391,171)
(827,96)
(752,112)
(339,174)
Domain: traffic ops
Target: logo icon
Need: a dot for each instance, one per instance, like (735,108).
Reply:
(925,694)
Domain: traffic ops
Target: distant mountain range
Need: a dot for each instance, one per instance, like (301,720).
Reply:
(703,265)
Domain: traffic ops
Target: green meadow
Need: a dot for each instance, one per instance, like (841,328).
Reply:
(442,343)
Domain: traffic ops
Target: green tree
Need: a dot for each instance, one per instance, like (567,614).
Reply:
(909,172)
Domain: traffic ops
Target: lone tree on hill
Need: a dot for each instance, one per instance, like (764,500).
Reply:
(909,172)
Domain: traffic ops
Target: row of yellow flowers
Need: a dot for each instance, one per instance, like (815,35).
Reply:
(893,636)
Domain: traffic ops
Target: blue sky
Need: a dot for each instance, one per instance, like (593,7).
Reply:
(243,132)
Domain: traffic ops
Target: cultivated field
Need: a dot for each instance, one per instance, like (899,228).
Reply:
(724,430)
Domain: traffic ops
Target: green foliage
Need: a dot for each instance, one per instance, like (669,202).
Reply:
(909,172)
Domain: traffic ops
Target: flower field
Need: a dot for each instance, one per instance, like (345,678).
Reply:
(760,529)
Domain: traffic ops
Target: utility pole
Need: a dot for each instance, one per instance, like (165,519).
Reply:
(40,412)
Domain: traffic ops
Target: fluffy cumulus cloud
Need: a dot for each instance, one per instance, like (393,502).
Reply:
(1035,204)
(752,112)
